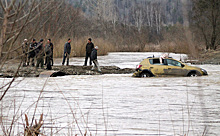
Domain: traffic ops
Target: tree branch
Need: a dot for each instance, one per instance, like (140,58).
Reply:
(6,56)
(11,5)
(1,4)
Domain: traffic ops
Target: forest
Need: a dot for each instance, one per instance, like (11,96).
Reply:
(180,26)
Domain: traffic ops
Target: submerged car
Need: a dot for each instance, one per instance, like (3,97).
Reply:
(168,67)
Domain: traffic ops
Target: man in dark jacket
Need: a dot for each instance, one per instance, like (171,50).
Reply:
(94,59)
(49,44)
(31,53)
(67,50)
(89,47)
(40,54)
(48,52)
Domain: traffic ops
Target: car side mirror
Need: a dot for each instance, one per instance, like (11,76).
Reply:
(182,65)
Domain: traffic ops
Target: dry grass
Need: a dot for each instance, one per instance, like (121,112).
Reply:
(78,47)
(176,46)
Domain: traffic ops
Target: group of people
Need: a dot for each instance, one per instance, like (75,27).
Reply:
(43,54)
(38,51)
(91,53)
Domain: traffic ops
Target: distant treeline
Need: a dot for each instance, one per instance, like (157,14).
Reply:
(114,25)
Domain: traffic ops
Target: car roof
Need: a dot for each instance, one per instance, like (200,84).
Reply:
(165,58)
(159,58)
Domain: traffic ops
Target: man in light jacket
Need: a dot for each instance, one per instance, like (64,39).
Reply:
(94,59)
(25,52)
(67,50)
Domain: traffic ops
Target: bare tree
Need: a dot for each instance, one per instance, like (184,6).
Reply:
(138,16)
(16,16)
(158,18)
(206,16)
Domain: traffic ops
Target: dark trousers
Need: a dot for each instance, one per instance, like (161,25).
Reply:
(88,55)
(51,58)
(66,55)
(48,62)
(32,60)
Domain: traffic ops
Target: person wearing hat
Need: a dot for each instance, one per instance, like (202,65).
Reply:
(89,47)
(94,59)
(67,50)
(31,52)
(25,52)
(40,54)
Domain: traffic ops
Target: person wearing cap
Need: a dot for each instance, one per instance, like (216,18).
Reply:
(31,52)
(25,52)
(40,54)
(94,59)
(89,47)
(67,50)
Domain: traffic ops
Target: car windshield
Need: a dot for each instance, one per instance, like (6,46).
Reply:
(173,63)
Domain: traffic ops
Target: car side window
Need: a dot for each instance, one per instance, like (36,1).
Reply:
(156,62)
(173,63)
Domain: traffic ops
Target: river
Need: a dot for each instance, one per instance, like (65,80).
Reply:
(117,105)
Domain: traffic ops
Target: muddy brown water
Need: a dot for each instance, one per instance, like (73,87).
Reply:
(117,104)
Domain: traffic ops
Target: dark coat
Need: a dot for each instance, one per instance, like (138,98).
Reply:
(51,46)
(89,47)
(32,49)
(67,48)
(94,54)
(39,50)
(48,50)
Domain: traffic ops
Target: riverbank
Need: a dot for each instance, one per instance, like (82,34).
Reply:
(113,63)
(210,57)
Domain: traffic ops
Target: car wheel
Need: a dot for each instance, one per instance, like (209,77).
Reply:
(145,74)
(193,74)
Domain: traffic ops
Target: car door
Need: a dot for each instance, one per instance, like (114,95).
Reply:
(156,67)
(174,68)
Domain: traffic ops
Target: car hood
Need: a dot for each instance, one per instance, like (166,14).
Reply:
(192,68)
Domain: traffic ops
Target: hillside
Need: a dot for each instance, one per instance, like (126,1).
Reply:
(137,12)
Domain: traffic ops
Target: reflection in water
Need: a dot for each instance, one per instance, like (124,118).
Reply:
(118,104)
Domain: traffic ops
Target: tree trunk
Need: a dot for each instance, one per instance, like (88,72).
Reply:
(3,32)
(214,22)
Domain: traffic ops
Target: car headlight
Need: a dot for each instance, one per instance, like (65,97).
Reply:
(204,72)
